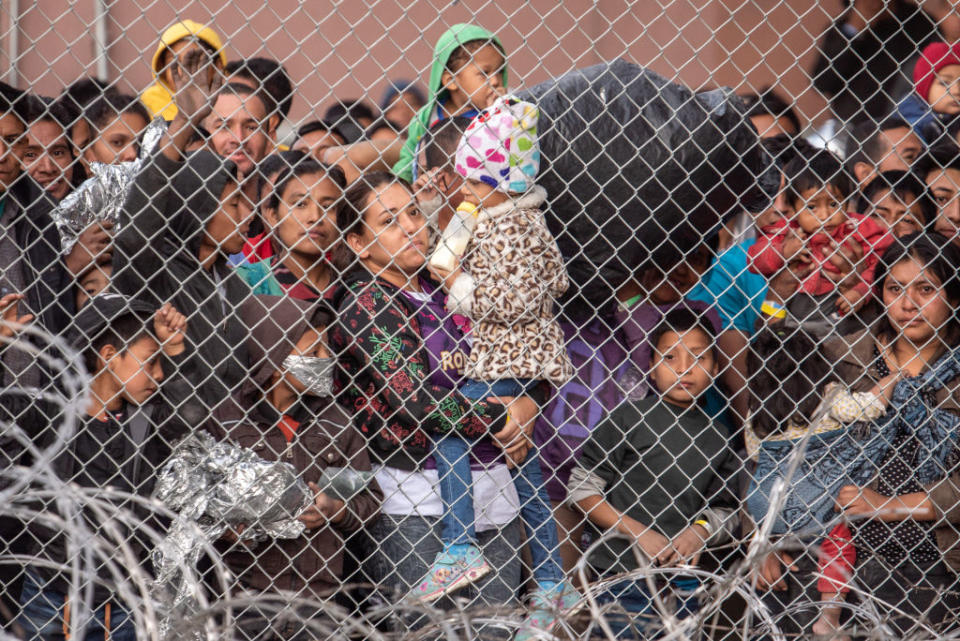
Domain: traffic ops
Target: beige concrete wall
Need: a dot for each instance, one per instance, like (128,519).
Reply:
(346,49)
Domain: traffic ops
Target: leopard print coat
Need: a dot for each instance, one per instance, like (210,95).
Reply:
(512,274)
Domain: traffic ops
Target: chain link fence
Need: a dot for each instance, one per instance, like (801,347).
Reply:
(464,320)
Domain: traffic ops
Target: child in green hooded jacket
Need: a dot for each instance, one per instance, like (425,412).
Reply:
(468,74)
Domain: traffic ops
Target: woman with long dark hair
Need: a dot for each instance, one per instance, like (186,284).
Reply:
(905,521)
(402,357)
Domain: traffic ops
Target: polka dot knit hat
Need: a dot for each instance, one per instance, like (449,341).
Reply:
(501,148)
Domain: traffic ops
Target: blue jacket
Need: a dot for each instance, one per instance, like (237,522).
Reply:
(925,121)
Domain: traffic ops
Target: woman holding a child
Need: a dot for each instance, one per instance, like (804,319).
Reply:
(406,356)
(905,522)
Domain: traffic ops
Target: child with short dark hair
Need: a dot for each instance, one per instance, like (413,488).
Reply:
(122,342)
(660,284)
(658,471)
(818,189)
(469,73)
(92,282)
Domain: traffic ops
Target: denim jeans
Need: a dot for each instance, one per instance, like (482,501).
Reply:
(453,467)
(640,620)
(42,615)
(474,389)
(405,549)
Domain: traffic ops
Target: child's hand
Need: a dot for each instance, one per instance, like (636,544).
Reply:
(851,301)
(234,534)
(795,247)
(688,545)
(655,545)
(426,187)
(170,328)
(323,510)
(844,258)
(10,322)
(770,574)
(787,281)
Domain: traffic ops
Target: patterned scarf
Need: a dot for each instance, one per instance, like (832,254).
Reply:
(913,411)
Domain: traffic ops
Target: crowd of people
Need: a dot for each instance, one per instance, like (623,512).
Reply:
(381,291)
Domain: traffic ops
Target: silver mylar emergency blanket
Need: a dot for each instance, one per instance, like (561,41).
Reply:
(213,486)
(101,196)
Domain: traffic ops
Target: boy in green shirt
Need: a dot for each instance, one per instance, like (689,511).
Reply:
(657,471)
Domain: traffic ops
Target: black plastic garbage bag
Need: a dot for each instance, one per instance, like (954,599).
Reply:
(640,169)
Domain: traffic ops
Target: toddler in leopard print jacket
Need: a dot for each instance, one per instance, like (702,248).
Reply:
(512,271)
(506,284)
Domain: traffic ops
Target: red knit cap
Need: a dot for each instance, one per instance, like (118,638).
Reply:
(933,58)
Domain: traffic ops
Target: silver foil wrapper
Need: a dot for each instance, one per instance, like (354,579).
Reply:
(101,197)
(316,374)
(213,486)
(343,482)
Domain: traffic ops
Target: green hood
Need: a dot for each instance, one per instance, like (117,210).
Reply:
(452,38)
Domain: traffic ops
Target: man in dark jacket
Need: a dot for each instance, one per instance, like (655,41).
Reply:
(30,259)
(31,264)
(182,219)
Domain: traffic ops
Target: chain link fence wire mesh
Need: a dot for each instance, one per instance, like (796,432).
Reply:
(385,320)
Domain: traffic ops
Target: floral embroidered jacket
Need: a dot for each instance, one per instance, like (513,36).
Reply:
(400,365)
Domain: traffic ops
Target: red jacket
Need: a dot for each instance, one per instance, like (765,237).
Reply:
(766,255)
(258,248)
